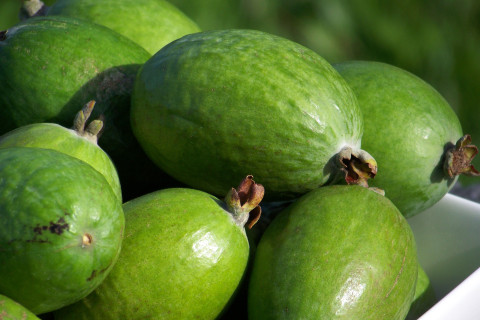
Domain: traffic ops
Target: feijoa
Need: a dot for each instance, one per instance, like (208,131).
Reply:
(338,252)
(213,106)
(12,310)
(61,228)
(412,132)
(79,142)
(150,23)
(183,256)
(49,66)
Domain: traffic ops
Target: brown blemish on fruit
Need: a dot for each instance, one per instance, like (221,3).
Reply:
(92,276)
(58,227)
(95,273)
(54,227)
(36,240)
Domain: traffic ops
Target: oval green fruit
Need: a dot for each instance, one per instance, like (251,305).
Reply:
(213,106)
(183,256)
(12,310)
(51,65)
(412,132)
(150,23)
(338,252)
(61,228)
(79,142)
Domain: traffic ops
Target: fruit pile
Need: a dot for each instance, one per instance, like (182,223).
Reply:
(134,215)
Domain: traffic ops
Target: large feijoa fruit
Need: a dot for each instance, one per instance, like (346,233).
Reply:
(61,228)
(49,66)
(412,132)
(213,106)
(338,252)
(150,23)
(183,256)
(79,142)
(12,310)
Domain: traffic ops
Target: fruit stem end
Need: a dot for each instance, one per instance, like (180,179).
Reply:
(93,130)
(243,202)
(357,165)
(458,159)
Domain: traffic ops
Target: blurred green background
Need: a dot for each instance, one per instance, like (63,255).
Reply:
(438,40)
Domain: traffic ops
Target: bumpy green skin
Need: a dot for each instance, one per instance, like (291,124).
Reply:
(59,138)
(408,125)
(338,252)
(49,66)
(150,23)
(182,258)
(215,106)
(12,310)
(424,297)
(49,202)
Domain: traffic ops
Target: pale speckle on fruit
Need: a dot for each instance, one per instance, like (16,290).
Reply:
(350,293)
(205,247)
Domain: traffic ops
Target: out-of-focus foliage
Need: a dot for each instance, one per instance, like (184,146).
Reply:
(438,40)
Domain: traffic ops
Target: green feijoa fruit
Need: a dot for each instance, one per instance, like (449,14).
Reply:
(424,297)
(79,142)
(412,132)
(49,66)
(12,310)
(212,106)
(61,228)
(338,252)
(150,23)
(183,256)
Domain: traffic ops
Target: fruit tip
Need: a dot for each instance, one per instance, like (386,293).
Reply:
(458,159)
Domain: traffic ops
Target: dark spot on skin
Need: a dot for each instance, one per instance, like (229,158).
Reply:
(54,227)
(58,227)
(92,276)
(38,229)
(94,272)
(38,240)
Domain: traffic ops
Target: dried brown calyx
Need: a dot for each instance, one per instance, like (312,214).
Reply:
(243,202)
(358,166)
(93,129)
(458,159)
